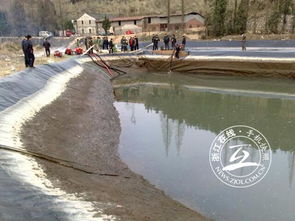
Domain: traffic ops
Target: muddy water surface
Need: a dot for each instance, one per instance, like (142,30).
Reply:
(169,122)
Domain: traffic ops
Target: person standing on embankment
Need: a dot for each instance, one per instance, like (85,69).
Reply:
(166,41)
(131,43)
(173,41)
(47,46)
(111,46)
(28,50)
(97,43)
(105,44)
(24,51)
(86,43)
(183,42)
(124,44)
(90,45)
(155,41)
(136,43)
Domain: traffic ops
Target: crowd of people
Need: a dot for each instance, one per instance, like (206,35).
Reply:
(103,43)
(167,40)
(133,43)
(98,44)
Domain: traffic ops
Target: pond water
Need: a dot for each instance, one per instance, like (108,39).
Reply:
(170,121)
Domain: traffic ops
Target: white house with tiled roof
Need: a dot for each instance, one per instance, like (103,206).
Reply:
(92,25)
(86,25)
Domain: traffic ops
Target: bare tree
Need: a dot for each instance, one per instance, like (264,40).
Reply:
(169,14)
(255,8)
(18,18)
(182,15)
(235,14)
(61,17)
(285,8)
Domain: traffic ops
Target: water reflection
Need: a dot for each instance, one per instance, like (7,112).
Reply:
(214,111)
(176,121)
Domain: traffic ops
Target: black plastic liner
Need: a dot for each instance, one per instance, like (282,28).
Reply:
(255,48)
(25,83)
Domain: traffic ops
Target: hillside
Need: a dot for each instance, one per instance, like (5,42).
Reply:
(126,7)
(223,16)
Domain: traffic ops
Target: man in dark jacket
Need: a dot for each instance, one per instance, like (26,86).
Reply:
(166,41)
(47,46)
(155,41)
(122,43)
(105,43)
(111,46)
(136,46)
(90,45)
(24,42)
(131,43)
(125,44)
(27,47)
(173,41)
(183,42)
(177,50)
(86,43)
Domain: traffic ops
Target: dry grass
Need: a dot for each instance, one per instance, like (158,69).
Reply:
(10,47)
(12,59)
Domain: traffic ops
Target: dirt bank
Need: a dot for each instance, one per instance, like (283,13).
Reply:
(235,66)
(82,126)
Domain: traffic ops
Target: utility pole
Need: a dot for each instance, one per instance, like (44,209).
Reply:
(168,18)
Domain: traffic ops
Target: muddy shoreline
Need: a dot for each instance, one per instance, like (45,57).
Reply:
(83,127)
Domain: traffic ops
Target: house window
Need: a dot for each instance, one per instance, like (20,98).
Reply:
(82,30)
(89,22)
(190,26)
(119,23)
(90,30)
(135,22)
(82,22)
(149,20)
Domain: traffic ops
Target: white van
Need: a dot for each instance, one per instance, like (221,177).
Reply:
(45,34)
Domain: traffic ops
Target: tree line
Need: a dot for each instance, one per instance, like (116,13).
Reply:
(31,16)
(223,17)
(228,17)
